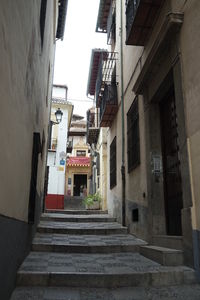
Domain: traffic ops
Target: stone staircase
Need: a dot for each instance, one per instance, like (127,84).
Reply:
(88,255)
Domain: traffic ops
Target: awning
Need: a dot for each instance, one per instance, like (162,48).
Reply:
(78,161)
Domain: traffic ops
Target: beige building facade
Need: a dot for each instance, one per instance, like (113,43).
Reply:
(154,132)
(28,34)
(97,139)
(78,168)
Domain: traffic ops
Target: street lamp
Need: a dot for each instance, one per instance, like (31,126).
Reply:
(58,115)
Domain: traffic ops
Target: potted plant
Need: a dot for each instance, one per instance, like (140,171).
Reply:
(92,201)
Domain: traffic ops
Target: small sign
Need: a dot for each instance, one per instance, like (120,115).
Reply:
(69,180)
(62,162)
(62,155)
(61,168)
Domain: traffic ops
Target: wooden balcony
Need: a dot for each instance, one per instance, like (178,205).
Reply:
(108,105)
(141,16)
(92,127)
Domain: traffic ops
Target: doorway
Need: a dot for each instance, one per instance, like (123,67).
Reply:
(171,164)
(80,181)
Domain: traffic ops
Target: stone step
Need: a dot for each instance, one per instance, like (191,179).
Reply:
(86,243)
(99,270)
(81,228)
(77,212)
(182,292)
(168,241)
(76,218)
(164,256)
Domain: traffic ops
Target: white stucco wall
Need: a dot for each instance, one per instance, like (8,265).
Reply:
(56,182)
(25,89)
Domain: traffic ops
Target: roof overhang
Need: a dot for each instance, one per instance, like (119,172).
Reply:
(93,70)
(104,9)
(62,12)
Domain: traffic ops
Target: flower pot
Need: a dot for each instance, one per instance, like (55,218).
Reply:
(95,205)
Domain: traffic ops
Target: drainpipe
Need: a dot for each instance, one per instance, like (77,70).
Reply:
(122,115)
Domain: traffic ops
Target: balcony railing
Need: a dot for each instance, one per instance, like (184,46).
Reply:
(109,105)
(111,24)
(106,74)
(140,19)
(92,127)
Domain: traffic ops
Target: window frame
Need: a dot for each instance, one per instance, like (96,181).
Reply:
(133,136)
(78,152)
(113,163)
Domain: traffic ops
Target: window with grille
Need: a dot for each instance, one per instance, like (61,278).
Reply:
(133,136)
(113,164)
(80,153)
(98,164)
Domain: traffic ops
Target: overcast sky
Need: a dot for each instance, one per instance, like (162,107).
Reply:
(73,53)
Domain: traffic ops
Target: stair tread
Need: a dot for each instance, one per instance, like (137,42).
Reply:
(162,249)
(183,292)
(114,263)
(75,216)
(80,225)
(87,240)
(76,211)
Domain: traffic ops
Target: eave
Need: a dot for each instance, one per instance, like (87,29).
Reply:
(93,70)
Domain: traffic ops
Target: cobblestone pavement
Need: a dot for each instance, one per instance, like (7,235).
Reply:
(183,292)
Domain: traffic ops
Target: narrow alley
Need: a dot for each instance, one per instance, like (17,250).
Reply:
(100,150)
(88,255)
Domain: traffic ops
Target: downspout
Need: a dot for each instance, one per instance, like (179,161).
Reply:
(122,115)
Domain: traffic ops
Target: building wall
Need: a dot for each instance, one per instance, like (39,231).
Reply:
(142,190)
(79,144)
(102,150)
(25,86)
(56,182)
(190,61)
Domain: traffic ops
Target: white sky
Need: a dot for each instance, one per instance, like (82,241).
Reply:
(73,54)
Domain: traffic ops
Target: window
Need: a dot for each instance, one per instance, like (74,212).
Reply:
(80,153)
(133,136)
(113,165)
(98,164)
(43,8)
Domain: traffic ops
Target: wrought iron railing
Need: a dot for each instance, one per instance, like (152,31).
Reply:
(105,73)
(131,9)
(111,24)
(92,119)
(109,97)
(92,126)
(99,80)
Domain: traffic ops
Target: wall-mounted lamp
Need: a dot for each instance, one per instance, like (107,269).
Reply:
(58,115)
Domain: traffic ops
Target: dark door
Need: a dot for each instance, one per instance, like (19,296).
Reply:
(80,181)
(171,165)
(33,184)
